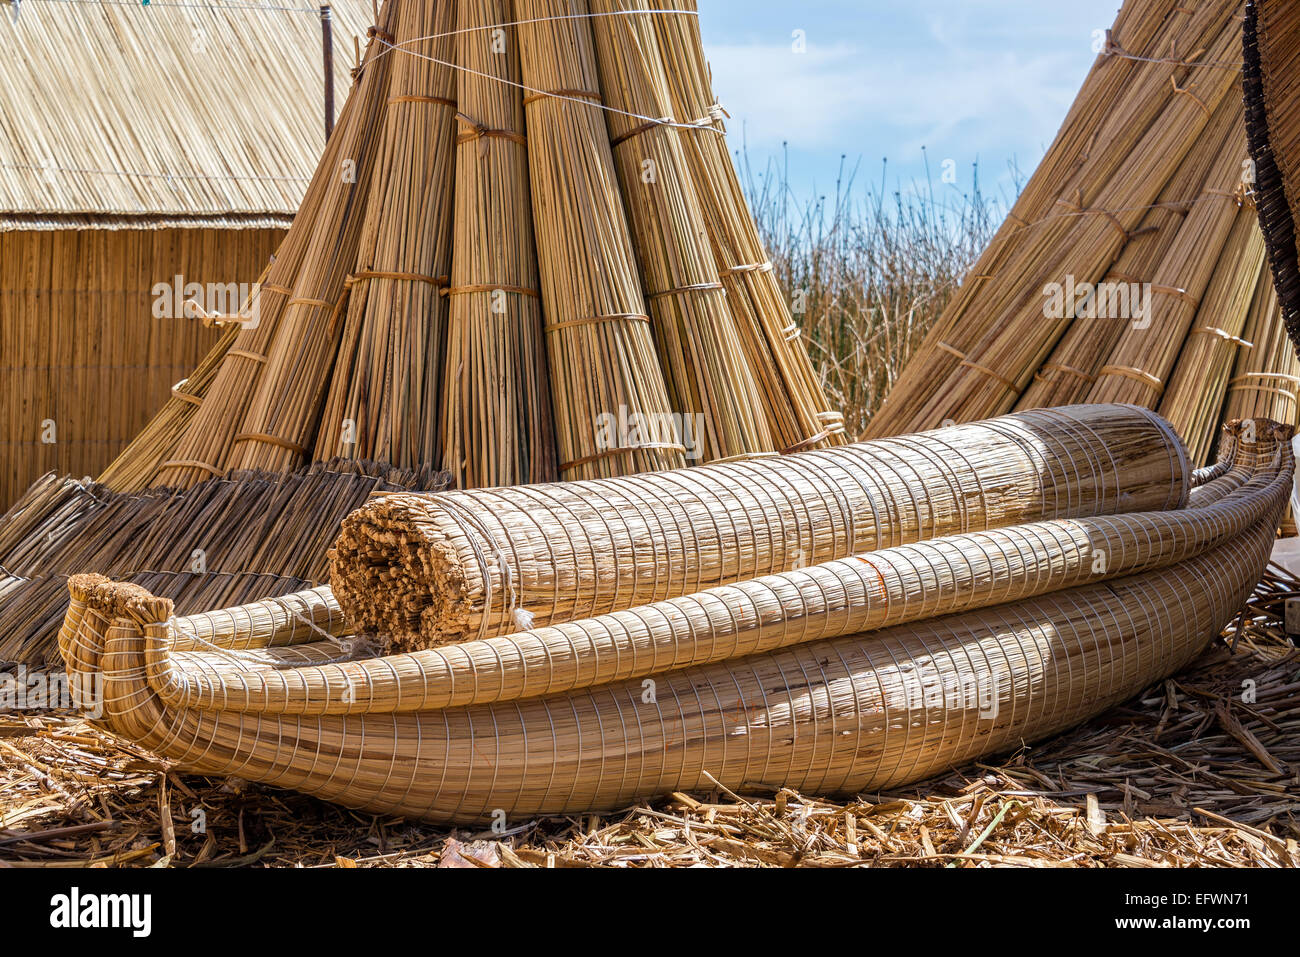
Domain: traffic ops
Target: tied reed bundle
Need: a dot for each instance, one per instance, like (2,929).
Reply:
(791,394)
(706,370)
(497,423)
(1194,401)
(428,571)
(224,541)
(806,716)
(1266,378)
(384,390)
(1071,370)
(599,340)
(285,405)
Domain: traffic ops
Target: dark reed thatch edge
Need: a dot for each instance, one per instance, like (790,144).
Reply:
(1275,216)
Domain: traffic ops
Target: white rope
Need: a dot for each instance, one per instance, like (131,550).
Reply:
(704,124)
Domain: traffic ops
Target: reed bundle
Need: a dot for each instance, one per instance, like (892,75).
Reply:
(1271,62)
(791,393)
(430,570)
(858,711)
(386,381)
(1267,376)
(1154,192)
(286,397)
(225,541)
(497,423)
(1194,402)
(1072,369)
(601,346)
(706,370)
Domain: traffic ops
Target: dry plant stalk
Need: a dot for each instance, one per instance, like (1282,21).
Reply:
(384,390)
(497,423)
(793,399)
(431,570)
(706,370)
(601,346)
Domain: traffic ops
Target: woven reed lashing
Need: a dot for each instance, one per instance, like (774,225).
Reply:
(430,570)
(859,712)
(1271,87)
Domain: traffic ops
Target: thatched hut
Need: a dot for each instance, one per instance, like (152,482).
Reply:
(144,149)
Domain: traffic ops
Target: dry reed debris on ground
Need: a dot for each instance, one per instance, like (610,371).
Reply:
(1186,774)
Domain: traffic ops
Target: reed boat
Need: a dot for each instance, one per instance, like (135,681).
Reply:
(856,673)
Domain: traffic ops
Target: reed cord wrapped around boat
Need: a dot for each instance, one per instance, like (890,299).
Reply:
(861,711)
(431,570)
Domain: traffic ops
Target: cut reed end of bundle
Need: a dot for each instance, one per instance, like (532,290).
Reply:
(400,576)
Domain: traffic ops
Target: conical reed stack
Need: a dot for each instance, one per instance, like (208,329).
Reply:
(384,395)
(497,423)
(604,370)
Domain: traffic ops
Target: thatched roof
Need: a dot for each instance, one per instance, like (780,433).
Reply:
(120,114)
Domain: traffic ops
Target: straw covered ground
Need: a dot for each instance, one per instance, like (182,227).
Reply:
(1201,770)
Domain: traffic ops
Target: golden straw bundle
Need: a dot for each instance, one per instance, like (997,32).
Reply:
(384,391)
(706,369)
(604,369)
(798,414)
(431,570)
(497,422)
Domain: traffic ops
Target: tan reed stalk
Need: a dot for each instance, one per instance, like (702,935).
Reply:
(603,365)
(1138,367)
(793,400)
(205,429)
(846,714)
(284,401)
(496,412)
(879,589)
(1194,401)
(383,396)
(224,541)
(1071,370)
(706,369)
(1266,377)
(431,570)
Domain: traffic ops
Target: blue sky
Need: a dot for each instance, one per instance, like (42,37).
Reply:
(986,80)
